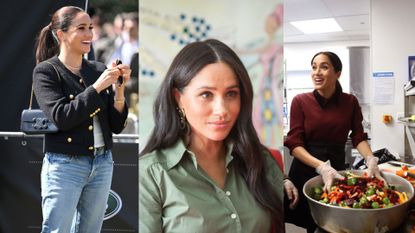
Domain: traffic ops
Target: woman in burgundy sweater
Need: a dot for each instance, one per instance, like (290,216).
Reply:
(319,127)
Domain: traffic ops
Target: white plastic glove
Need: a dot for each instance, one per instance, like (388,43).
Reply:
(328,174)
(292,193)
(373,168)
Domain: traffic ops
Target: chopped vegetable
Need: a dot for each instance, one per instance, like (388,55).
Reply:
(375,205)
(359,192)
(352,181)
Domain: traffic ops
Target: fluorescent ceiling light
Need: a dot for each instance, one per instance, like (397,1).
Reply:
(317,26)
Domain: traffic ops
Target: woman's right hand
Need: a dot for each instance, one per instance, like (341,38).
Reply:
(328,174)
(292,193)
(107,78)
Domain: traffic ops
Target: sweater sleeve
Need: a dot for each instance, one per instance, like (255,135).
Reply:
(117,120)
(295,136)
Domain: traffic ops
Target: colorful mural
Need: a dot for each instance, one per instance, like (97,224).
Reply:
(253,30)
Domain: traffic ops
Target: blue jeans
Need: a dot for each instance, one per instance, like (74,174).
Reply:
(75,191)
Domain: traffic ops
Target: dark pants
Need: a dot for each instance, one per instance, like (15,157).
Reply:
(301,173)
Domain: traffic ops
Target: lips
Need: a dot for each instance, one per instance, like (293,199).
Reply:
(219,124)
(86,42)
(318,81)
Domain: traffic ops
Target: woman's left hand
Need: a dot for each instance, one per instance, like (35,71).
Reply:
(125,73)
(373,168)
(292,193)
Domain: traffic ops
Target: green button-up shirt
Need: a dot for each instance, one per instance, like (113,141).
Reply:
(176,195)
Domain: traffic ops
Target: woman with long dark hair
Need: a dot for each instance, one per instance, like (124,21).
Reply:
(204,168)
(85,102)
(320,123)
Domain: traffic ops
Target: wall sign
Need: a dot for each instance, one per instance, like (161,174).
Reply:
(384,88)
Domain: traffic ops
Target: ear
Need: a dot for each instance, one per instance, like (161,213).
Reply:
(60,34)
(338,74)
(177,96)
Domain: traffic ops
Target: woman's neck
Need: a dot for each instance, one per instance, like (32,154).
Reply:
(327,94)
(208,150)
(71,61)
(211,157)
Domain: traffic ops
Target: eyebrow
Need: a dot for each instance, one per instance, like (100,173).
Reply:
(83,24)
(323,63)
(213,88)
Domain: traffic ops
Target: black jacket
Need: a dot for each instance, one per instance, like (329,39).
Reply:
(72,107)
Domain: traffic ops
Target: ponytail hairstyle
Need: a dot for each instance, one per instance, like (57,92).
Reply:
(47,44)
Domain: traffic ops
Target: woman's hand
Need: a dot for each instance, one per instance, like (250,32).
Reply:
(292,193)
(125,73)
(373,168)
(119,98)
(110,76)
(107,78)
(329,174)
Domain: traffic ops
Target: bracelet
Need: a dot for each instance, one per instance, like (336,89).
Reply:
(119,101)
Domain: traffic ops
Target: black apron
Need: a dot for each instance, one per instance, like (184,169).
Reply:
(301,173)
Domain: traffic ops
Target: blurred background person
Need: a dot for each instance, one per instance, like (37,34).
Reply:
(123,44)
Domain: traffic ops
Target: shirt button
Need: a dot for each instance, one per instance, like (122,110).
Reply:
(69,139)
(71,96)
(228,193)
(90,148)
(90,128)
(80,81)
(233,216)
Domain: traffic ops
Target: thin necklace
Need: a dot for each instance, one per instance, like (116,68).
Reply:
(73,68)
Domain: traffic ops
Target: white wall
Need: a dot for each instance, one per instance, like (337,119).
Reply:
(298,56)
(391,43)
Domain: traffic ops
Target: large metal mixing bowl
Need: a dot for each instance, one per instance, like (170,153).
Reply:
(348,220)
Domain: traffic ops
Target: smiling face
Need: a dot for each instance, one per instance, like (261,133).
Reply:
(79,35)
(324,76)
(211,102)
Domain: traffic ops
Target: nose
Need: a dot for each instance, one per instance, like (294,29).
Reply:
(316,71)
(89,33)
(219,108)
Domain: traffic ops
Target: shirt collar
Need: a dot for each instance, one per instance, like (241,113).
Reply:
(334,98)
(176,153)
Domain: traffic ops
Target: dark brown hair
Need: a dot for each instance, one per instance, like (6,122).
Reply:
(47,43)
(334,59)
(247,151)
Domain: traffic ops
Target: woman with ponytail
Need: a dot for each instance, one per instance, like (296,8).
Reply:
(204,168)
(87,104)
(320,123)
